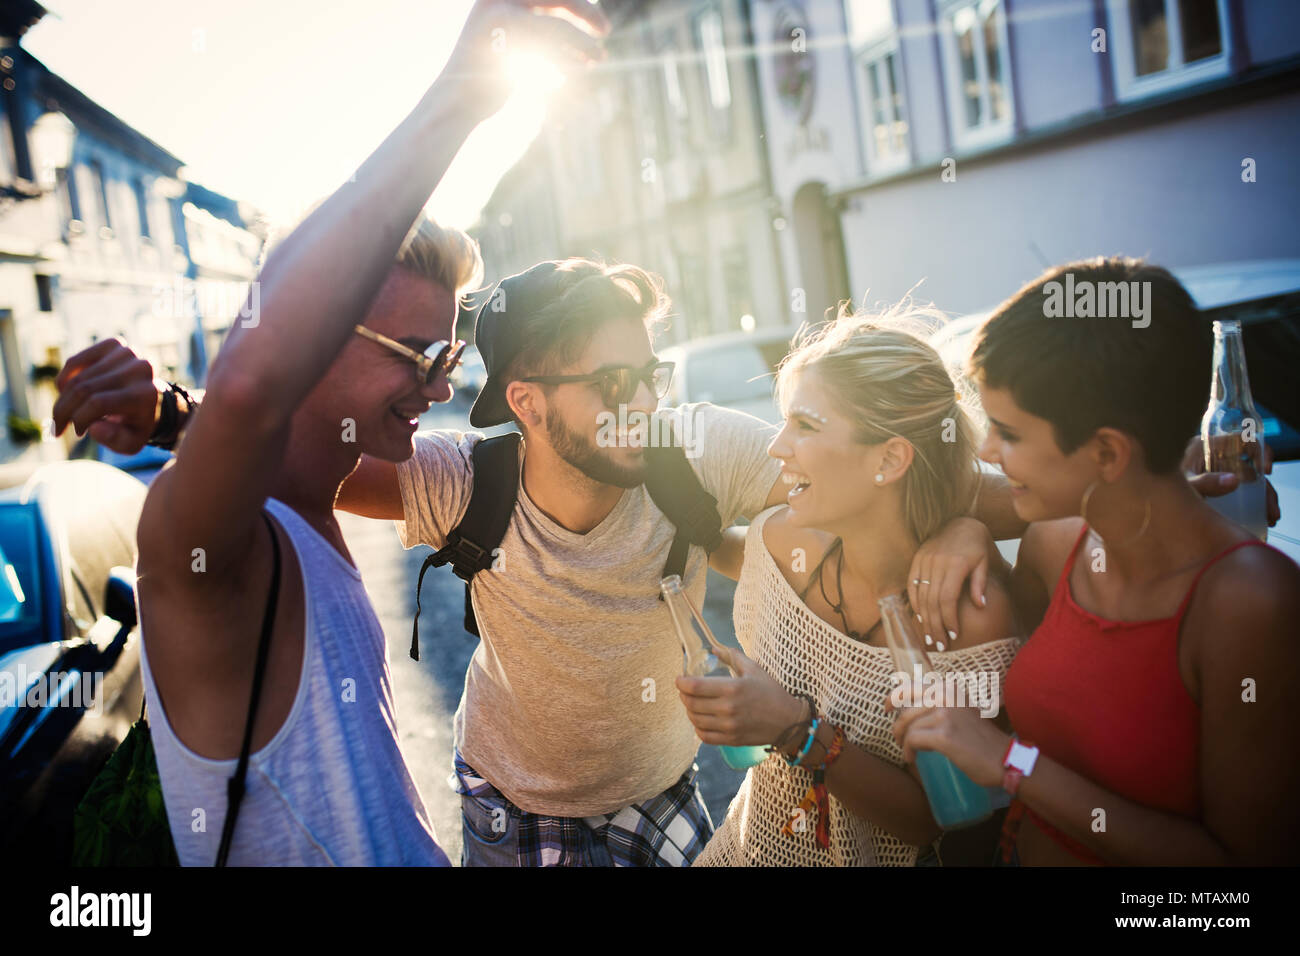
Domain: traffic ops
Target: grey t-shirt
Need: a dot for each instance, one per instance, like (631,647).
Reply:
(569,706)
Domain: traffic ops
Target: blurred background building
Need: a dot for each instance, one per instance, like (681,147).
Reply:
(660,161)
(771,158)
(100,235)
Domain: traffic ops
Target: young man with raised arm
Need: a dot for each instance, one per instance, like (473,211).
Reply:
(296,396)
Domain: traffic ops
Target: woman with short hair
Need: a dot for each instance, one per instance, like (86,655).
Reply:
(1154,699)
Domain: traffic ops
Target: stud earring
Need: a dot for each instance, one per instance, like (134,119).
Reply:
(880,479)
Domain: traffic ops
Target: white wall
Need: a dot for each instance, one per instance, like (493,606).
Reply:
(1171,192)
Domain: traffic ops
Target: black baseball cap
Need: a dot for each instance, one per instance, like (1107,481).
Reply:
(497,327)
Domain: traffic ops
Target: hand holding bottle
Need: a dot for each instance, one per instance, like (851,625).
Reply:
(973,744)
(749,709)
(1214,484)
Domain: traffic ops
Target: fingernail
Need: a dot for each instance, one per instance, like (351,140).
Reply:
(939,646)
(952,635)
(1225,480)
(928,639)
(919,619)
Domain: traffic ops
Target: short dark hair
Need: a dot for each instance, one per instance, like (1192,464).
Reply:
(1149,380)
(587,295)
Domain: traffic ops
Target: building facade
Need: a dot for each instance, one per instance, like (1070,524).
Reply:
(658,163)
(99,236)
(964,145)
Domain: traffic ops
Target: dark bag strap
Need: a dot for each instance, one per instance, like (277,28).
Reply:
(235,785)
(676,491)
(670,480)
(470,544)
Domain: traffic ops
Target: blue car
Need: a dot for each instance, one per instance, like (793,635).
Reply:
(70,683)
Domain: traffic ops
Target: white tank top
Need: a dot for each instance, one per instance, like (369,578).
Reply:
(331,787)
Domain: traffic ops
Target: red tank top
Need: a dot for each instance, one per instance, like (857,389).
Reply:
(1105,699)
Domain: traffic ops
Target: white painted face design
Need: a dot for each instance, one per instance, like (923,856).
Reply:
(805,410)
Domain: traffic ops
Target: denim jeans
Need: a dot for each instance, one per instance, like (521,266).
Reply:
(490,832)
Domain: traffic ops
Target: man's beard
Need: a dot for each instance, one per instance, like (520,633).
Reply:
(579,451)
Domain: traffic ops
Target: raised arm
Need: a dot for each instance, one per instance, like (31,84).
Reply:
(320,280)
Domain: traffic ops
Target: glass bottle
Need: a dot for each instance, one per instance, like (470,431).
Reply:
(698,643)
(955,800)
(1229,427)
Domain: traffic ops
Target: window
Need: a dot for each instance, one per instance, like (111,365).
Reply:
(879,78)
(99,193)
(7,148)
(671,112)
(978,71)
(69,200)
(717,83)
(869,20)
(142,205)
(736,286)
(578,144)
(1159,45)
(673,84)
(44,293)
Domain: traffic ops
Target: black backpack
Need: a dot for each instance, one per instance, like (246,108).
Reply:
(672,483)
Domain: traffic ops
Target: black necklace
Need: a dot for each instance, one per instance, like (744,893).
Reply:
(839,588)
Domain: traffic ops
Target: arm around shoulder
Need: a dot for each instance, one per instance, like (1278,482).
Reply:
(993,622)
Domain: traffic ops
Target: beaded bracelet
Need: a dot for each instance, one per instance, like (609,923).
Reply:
(795,730)
(812,735)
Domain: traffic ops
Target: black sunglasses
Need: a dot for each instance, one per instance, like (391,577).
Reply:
(618,384)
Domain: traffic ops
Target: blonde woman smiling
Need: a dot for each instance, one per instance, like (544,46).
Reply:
(879,455)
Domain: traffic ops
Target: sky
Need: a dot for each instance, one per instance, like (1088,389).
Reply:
(275,102)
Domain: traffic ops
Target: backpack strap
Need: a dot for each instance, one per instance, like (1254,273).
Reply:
(235,785)
(676,491)
(470,544)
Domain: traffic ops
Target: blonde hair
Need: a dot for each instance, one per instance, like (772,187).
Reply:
(890,383)
(441,254)
(449,257)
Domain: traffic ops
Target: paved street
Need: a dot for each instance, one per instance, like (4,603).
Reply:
(427,691)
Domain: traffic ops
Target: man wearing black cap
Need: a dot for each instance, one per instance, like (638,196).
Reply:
(572,747)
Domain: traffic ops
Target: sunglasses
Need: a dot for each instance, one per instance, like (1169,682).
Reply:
(618,385)
(440,356)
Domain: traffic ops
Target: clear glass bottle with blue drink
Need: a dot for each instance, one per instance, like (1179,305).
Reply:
(698,643)
(955,800)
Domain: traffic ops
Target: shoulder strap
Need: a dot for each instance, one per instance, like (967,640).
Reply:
(676,491)
(470,544)
(1070,558)
(235,786)
(1191,590)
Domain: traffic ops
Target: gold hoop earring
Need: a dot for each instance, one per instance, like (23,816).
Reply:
(1146,521)
(1083,505)
(1146,517)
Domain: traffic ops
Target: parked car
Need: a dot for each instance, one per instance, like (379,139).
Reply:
(70,684)
(735,369)
(1265,297)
